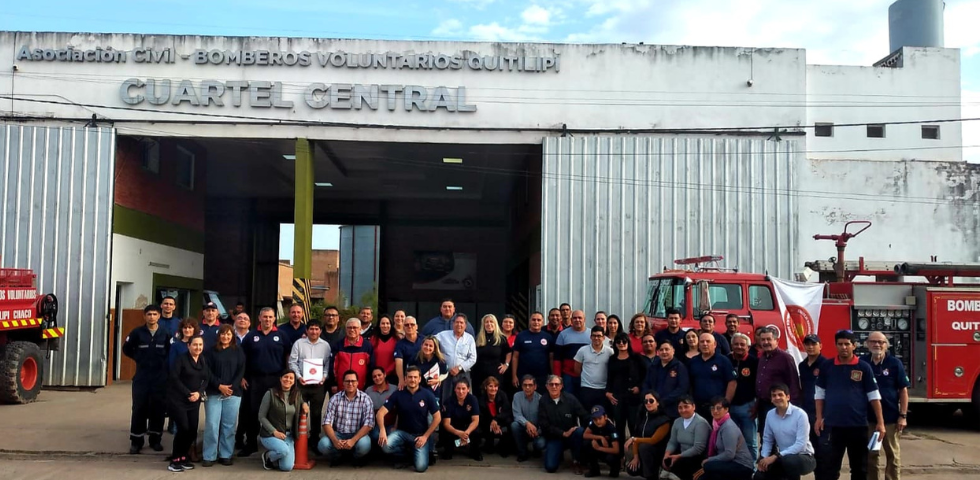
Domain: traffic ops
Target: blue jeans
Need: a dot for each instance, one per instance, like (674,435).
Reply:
(281,451)
(361,448)
(748,426)
(554,450)
(571,385)
(220,415)
(402,443)
(521,438)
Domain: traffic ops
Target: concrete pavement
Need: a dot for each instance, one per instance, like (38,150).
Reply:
(89,431)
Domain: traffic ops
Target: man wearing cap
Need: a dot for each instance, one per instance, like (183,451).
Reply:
(810,369)
(209,325)
(894,387)
(775,366)
(844,391)
(295,329)
(601,442)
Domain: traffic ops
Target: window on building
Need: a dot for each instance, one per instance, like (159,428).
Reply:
(760,298)
(876,130)
(150,155)
(185,168)
(930,132)
(823,129)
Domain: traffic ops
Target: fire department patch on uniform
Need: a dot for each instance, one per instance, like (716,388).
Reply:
(544,341)
(816,372)
(714,368)
(673,373)
(857,375)
(469,407)
(275,338)
(746,372)
(360,362)
(885,372)
(255,339)
(422,403)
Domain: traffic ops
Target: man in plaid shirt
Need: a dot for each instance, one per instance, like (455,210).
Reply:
(347,423)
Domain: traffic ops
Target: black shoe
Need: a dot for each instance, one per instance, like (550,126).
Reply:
(434,457)
(521,458)
(446,455)
(247,451)
(399,465)
(239,444)
(175,467)
(592,473)
(614,472)
(535,453)
(184,462)
(157,447)
(477,457)
(266,463)
(225,461)
(134,449)
(207,463)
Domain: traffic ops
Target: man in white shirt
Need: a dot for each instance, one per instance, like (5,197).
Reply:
(459,349)
(592,364)
(786,449)
(311,352)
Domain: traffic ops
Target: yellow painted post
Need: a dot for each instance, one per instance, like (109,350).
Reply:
(303,217)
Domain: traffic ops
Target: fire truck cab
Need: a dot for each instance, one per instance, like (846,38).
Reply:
(933,326)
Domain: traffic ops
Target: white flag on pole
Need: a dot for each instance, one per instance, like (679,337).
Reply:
(799,308)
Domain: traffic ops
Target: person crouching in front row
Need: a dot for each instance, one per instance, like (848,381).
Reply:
(279,415)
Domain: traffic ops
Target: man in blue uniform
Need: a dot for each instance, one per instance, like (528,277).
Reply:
(712,375)
(413,405)
(668,376)
(148,346)
(407,348)
(844,390)
(444,321)
(265,355)
(810,369)
(209,325)
(601,443)
(295,328)
(673,332)
(169,319)
(532,352)
(893,384)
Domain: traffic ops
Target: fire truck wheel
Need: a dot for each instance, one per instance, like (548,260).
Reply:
(21,372)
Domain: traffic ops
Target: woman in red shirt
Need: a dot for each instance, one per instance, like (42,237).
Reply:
(383,342)
(638,329)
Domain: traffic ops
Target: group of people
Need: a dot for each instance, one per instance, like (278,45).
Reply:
(692,402)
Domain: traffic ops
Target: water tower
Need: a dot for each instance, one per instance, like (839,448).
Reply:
(915,23)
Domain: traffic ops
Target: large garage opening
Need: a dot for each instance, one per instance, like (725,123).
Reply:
(456,221)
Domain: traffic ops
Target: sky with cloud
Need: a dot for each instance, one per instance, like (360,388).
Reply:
(850,32)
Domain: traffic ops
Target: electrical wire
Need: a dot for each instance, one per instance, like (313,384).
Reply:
(299,122)
(591,100)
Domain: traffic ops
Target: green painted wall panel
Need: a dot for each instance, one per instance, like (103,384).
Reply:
(136,224)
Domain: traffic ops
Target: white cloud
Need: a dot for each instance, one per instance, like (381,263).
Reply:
(448,28)
(494,32)
(477,4)
(960,24)
(536,15)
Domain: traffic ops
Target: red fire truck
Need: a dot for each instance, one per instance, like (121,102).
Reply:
(933,325)
(28,328)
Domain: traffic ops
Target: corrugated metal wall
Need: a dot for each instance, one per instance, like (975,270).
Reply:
(57,204)
(617,209)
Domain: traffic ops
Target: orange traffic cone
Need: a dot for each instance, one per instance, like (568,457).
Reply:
(302,445)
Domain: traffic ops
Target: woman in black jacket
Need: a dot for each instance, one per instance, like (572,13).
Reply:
(648,441)
(189,376)
(625,374)
(495,418)
(227,364)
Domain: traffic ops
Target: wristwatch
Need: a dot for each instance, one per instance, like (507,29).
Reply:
(903,415)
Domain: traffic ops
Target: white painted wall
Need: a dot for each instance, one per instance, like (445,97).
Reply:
(917,209)
(926,87)
(598,86)
(131,259)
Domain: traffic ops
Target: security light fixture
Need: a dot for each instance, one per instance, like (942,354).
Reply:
(453,187)
(289,157)
(323,184)
(452,160)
